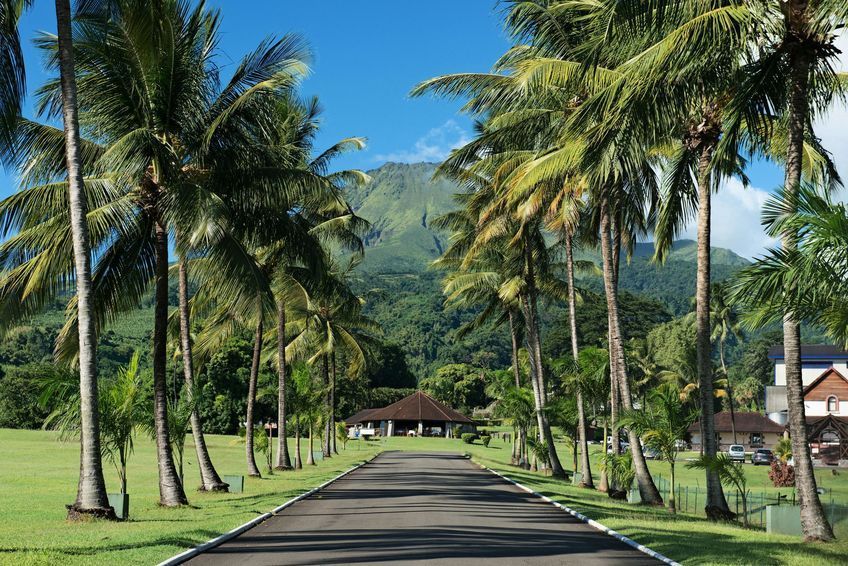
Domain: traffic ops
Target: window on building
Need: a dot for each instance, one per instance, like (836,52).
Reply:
(756,439)
(832,404)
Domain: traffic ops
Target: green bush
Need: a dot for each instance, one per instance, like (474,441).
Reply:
(469,437)
(485,440)
(456,432)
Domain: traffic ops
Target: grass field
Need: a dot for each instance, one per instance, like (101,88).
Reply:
(38,476)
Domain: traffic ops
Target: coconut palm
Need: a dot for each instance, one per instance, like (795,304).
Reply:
(91,493)
(478,282)
(806,281)
(333,323)
(725,324)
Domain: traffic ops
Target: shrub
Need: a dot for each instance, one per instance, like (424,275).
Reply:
(485,440)
(456,432)
(782,474)
(469,437)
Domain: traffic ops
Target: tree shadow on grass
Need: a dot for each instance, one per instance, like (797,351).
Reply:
(187,540)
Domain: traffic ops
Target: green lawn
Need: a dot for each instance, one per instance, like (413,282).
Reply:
(38,476)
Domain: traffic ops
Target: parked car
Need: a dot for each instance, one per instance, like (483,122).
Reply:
(651,453)
(762,456)
(622,447)
(736,452)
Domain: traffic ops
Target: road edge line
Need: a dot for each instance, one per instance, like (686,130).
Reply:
(229,535)
(591,522)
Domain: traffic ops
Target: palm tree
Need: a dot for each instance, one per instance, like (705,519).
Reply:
(804,43)
(333,323)
(478,282)
(565,215)
(209,478)
(121,410)
(805,281)
(662,425)
(516,405)
(91,493)
(730,473)
(725,324)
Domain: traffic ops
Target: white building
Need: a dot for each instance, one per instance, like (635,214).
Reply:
(823,372)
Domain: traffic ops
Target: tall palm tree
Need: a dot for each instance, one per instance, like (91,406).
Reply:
(566,212)
(333,323)
(477,283)
(725,324)
(91,492)
(804,280)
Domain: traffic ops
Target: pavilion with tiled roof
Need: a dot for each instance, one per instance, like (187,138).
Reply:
(418,413)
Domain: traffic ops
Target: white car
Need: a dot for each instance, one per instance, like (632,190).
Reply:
(736,452)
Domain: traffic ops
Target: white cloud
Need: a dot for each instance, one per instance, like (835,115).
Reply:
(736,210)
(736,220)
(435,145)
(832,128)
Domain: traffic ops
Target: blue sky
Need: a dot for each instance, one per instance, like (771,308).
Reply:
(369,54)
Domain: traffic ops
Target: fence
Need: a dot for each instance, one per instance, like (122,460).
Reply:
(691,500)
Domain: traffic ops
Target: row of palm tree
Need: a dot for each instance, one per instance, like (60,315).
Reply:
(158,155)
(636,112)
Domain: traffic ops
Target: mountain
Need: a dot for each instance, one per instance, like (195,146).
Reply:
(402,200)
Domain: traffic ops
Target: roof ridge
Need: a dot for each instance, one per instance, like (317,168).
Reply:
(817,381)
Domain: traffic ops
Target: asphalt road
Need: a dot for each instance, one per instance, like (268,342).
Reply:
(409,508)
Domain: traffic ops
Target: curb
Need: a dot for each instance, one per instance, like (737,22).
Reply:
(210,544)
(591,522)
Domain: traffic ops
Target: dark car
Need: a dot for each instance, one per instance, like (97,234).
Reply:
(762,456)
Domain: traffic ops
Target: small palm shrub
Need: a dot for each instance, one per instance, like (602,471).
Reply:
(619,470)
(539,449)
(485,439)
(469,437)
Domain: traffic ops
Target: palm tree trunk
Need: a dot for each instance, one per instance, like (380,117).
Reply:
(534,349)
(672,504)
(252,469)
(647,489)
(603,485)
(716,506)
(283,459)
(209,479)
(516,341)
(298,461)
(813,520)
(333,403)
(310,458)
(91,489)
(585,465)
(171,491)
(325,371)
(729,390)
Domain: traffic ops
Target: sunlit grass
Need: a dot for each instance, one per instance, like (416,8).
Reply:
(38,477)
